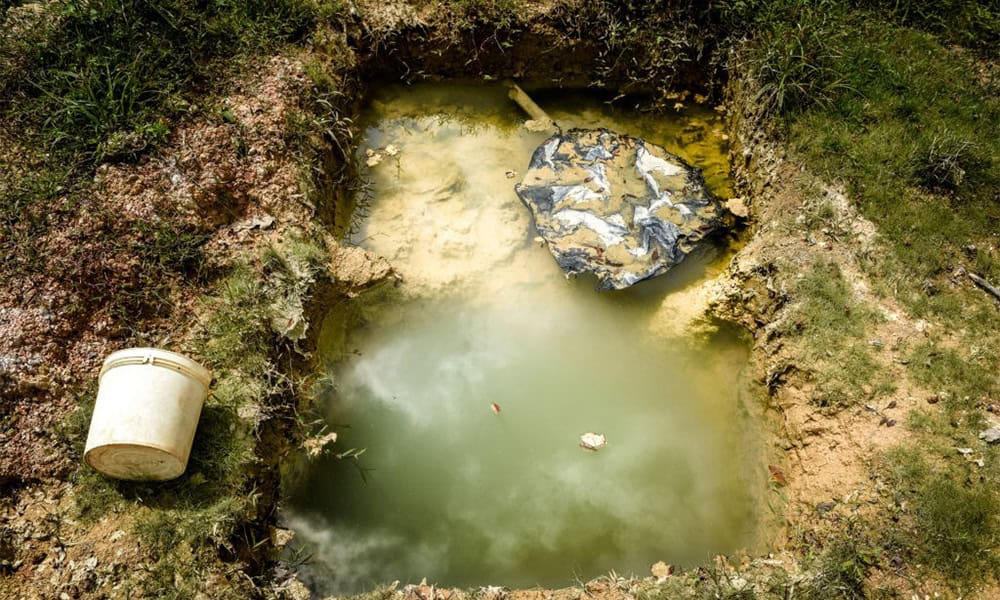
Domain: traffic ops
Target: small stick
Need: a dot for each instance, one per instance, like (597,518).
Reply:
(984,285)
(527,104)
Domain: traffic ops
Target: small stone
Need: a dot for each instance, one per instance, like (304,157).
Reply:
(964,451)
(921,326)
(990,436)
(316,446)
(492,592)
(738,207)
(593,441)
(825,507)
(281,537)
(293,589)
(661,570)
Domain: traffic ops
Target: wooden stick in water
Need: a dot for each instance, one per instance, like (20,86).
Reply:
(528,105)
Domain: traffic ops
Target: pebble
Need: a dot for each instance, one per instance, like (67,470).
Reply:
(990,436)
(593,441)
(661,570)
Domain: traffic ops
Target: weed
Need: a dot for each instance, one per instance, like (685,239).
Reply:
(946,369)
(943,163)
(236,332)
(111,71)
(959,527)
(953,520)
(842,569)
(797,58)
(830,325)
(497,14)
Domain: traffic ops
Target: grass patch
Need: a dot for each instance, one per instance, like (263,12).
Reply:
(965,378)
(111,74)
(872,97)
(842,569)
(830,324)
(88,81)
(950,518)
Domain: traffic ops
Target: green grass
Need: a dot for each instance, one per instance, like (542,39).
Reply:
(916,141)
(950,515)
(966,379)
(111,75)
(842,569)
(829,325)
(94,81)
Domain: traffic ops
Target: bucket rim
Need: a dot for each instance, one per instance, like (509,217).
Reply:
(158,357)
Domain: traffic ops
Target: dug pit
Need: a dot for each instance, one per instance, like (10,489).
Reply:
(470,382)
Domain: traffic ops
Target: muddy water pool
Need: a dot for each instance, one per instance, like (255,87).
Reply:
(452,491)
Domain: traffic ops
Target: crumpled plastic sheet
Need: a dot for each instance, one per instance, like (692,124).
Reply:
(616,206)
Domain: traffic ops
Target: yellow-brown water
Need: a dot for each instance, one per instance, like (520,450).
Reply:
(451,491)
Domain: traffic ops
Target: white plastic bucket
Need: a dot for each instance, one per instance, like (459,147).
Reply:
(147,410)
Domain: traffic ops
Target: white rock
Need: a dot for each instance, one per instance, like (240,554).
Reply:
(593,441)
(990,436)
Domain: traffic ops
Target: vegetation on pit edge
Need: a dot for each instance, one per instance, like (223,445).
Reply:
(911,127)
(88,81)
(85,82)
(185,522)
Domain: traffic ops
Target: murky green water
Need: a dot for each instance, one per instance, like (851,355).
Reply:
(451,491)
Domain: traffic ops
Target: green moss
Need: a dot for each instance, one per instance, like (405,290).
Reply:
(237,332)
